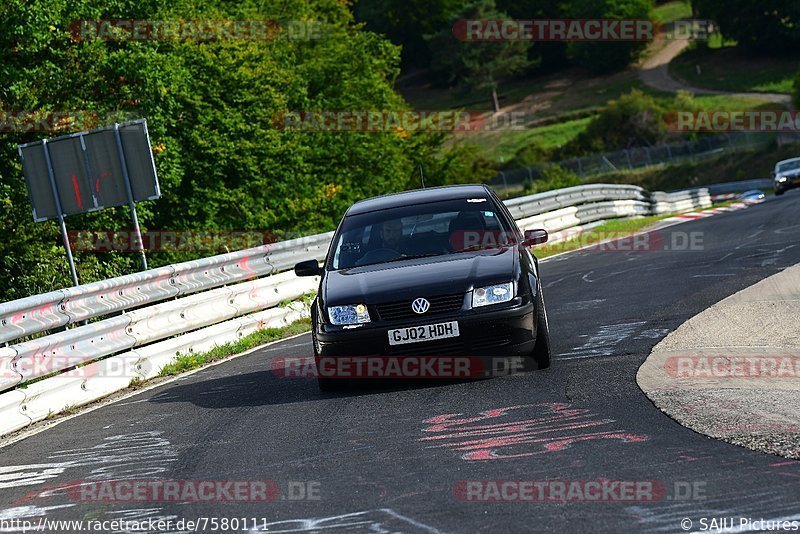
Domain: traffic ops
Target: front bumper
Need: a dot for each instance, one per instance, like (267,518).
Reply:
(509,330)
(791,183)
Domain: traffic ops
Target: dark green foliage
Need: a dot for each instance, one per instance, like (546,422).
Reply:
(405,22)
(552,177)
(211,108)
(635,119)
(796,92)
(601,57)
(473,65)
(765,26)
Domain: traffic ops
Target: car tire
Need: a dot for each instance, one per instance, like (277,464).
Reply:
(541,350)
(324,383)
(778,192)
(329,384)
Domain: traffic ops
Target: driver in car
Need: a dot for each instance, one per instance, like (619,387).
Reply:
(392,234)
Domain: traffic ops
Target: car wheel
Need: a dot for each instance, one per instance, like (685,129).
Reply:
(329,384)
(778,192)
(324,383)
(541,350)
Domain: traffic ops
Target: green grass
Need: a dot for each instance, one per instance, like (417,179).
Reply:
(672,11)
(607,230)
(187,362)
(716,40)
(728,68)
(502,146)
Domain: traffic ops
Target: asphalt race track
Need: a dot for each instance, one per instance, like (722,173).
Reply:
(378,460)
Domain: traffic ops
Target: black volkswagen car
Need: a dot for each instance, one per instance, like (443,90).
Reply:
(442,271)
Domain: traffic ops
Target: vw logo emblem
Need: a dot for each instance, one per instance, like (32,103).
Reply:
(420,306)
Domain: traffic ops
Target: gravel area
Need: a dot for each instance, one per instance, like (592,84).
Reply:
(733,371)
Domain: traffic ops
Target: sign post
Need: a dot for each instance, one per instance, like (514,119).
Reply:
(64,235)
(90,171)
(139,246)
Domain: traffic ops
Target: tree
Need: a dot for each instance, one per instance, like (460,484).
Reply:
(477,65)
(405,22)
(607,56)
(546,55)
(211,108)
(635,119)
(766,26)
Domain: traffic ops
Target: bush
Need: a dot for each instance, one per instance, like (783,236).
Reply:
(553,177)
(528,156)
(460,163)
(635,119)
(766,26)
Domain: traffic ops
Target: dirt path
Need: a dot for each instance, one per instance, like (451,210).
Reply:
(654,72)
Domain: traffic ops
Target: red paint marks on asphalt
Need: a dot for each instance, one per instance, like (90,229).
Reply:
(554,427)
(790,462)
(77,192)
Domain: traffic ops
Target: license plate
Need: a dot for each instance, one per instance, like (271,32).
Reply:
(417,334)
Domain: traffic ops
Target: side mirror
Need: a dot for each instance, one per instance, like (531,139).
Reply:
(307,268)
(535,237)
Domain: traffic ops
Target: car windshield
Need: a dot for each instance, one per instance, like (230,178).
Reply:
(789,165)
(431,229)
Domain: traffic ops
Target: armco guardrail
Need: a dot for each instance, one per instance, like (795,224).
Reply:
(739,187)
(193,306)
(38,313)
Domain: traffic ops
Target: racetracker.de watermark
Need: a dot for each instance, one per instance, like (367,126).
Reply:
(571,30)
(733,367)
(561,491)
(33,120)
(784,120)
(71,363)
(391,367)
(196,30)
(399,121)
(184,491)
(211,241)
(592,241)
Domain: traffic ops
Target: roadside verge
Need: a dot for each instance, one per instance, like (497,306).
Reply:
(732,372)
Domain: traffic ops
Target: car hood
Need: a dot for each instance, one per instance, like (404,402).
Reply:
(424,277)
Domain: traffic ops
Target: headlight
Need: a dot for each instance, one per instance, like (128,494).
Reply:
(356,314)
(484,296)
(781,179)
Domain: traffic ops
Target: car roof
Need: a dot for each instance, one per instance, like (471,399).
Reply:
(418,196)
(787,161)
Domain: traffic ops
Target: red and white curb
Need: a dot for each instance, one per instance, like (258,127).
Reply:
(713,211)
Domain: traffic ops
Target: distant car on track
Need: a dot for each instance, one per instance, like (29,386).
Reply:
(786,175)
(753,194)
(439,271)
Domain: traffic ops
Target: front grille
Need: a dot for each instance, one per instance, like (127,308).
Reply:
(392,311)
